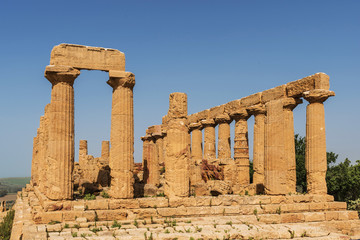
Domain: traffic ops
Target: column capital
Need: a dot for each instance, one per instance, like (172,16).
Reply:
(56,74)
(318,95)
(240,114)
(208,122)
(223,118)
(121,78)
(256,109)
(146,138)
(291,103)
(197,125)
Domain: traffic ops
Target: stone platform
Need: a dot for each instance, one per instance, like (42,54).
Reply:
(221,217)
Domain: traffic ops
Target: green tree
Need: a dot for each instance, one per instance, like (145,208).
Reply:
(6,225)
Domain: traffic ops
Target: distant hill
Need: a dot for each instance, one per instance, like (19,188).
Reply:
(12,185)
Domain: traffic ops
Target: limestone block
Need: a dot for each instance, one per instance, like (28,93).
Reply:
(203,114)
(150,190)
(123,203)
(105,150)
(322,81)
(193,118)
(251,100)
(218,187)
(232,106)
(158,202)
(273,93)
(177,105)
(215,111)
(104,215)
(316,81)
(47,217)
(314,216)
(85,57)
(292,218)
(99,204)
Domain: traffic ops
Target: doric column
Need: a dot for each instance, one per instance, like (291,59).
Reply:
(224,145)
(60,152)
(43,146)
(209,139)
(145,157)
(105,150)
(35,161)
(196,153)
(122,134)
(154,173)
(276,167)
(177,148)
(196,141)
(241,147)
(315,158)
(289,147)
(259,145)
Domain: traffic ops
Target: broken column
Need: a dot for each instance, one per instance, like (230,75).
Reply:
(224,145)
(241,148)
(83,152)
(289,147)
(153,161)
(276,167)
(105,150)
(259,145)
(177,148)
(60,152)
(209,139)
(122,134)
(315,157)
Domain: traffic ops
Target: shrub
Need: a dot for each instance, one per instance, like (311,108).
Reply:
(6,225)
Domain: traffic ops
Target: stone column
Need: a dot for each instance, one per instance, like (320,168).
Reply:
(241,148)
(315,158)
(196,141)
(83,152)
(121,160)
(60,153)
(153,161)
(289,154)
(177,148)
(105,150)
(224,145)
(209,139)
(35,161)
(259,145)
(145,157)
(276,167)
(43,146)
(196,153)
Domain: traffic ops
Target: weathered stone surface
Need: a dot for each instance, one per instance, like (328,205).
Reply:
(177,148)
(259,145)
(209,139)
(316,81)
(224,145)
(60,151)
(251,100)
(122,134)
(85,57)
(315,157)
(273,93)
(276,167)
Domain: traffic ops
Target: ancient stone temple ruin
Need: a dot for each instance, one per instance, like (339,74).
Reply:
(186,173)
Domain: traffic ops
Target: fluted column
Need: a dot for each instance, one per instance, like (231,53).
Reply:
(196,153)
(315,157)
(196,141)
(60,152)
(289,144)
(43,146)
(224,145)
(154,173)
(145,157)
(241,147)
(122,134)
(259,145)
(177,148)
(209,139)
(276,167)
(83,152)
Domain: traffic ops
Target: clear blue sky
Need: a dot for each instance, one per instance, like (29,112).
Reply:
(215,51)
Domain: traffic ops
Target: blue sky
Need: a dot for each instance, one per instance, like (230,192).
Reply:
(215,51)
